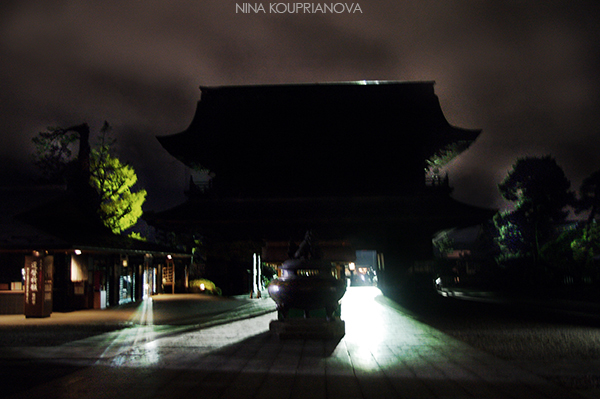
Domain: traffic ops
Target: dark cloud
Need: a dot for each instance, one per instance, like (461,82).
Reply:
(524,72)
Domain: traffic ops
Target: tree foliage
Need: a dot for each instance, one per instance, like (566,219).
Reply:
(587,245)
(119,206)
(540,192)
(53,154)
(589,196)
(510,239)
(559,253)
(538,186)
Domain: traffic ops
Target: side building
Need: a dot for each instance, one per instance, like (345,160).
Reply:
(54,258)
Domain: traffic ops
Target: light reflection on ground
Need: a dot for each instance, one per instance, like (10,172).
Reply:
(138,341)
(365,342)
(377,334)
(365,323)
(363,316)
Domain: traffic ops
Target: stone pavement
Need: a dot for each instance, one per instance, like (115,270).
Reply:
(385,353)
(162,309)
(133,324)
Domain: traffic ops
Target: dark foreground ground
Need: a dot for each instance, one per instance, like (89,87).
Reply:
(544,335)
(548,342)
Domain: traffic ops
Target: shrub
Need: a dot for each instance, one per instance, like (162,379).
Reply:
(204,286)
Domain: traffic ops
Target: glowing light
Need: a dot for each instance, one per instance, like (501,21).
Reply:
(352,266)
(366,82)
(202,287)
(78,252)
(364,317)
(79,271)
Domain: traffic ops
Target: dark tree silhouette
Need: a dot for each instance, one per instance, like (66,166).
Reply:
(540,191)
(587,245)
(53,153)
(589,196)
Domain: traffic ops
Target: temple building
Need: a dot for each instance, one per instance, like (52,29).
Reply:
(356,162)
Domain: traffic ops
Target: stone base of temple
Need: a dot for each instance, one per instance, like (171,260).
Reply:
(317,328)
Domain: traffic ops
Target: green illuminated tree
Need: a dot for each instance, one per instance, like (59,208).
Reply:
(120,207)
(587,245)
(117,205)
(510,240)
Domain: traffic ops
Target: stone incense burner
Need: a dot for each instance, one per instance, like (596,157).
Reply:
(307,283)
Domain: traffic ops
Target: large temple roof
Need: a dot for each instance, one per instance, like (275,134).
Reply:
(370,137)
(345,159)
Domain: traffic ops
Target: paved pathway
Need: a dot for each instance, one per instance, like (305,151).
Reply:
(385,354)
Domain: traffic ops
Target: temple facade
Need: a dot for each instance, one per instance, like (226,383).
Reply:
(353,161)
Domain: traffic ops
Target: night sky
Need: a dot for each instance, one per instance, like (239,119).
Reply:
(525,72)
